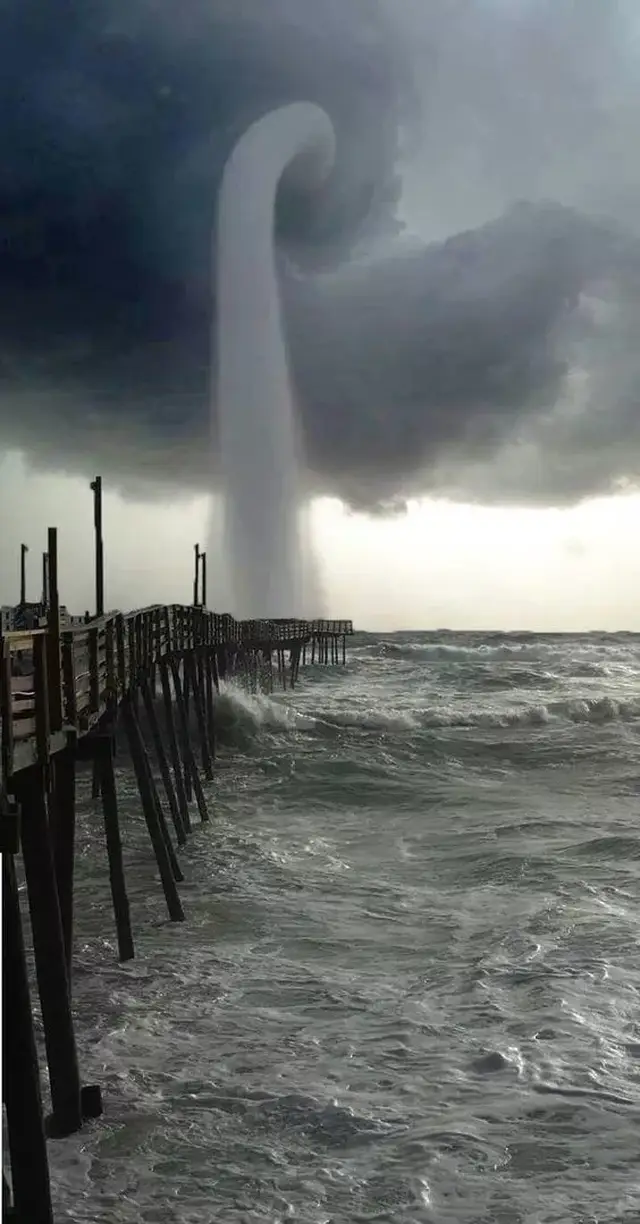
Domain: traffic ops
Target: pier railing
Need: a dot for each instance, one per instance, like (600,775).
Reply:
(56,682)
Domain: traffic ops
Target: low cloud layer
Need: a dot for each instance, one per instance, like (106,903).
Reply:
(494,359)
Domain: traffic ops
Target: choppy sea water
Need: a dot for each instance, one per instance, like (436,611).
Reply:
(408,984)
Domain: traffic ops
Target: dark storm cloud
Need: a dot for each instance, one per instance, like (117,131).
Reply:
(449,367)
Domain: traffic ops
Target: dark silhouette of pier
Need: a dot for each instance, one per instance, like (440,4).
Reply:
(66,687)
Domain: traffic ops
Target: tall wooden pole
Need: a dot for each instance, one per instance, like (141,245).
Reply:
(196,549)
(203,589)
(24,548)
(45,578)
(96,486)
(54,678)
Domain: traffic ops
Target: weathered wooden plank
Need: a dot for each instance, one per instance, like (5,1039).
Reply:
(97,662)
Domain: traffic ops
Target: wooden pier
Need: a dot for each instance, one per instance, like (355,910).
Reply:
(65,688)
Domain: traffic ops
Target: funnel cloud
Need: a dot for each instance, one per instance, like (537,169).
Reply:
(487,352)
(255,421)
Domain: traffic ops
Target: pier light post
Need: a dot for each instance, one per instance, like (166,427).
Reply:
(196,572)
(203,588)
(96,487)
(45,579)
(24,548)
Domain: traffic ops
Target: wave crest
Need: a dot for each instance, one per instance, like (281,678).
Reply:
(244,717)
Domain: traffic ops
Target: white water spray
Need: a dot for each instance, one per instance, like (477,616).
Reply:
(270,568)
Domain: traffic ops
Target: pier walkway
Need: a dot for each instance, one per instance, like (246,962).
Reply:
(65,689)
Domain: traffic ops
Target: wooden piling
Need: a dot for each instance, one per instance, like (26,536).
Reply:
(20,1074)
(24,548)
(174,750)
(203,568)
(54,671)
(96,487)
(181,698)
(49,949)
(160,816)
(196,575)
(191,769)
(282,669)
(62,810)
(45,579)
(103,748)
(163,763)
(207,662)
(149,807)
(194,671)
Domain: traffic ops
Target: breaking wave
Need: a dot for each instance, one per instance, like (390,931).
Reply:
(242,717)
(513,655)
(424,651)
(595,710)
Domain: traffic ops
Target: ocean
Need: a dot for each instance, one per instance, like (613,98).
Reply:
(407,988)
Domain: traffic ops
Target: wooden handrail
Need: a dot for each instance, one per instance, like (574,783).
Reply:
(103,659)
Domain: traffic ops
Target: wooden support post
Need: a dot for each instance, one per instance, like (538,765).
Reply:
(181,678)
(48,943)
(214,670)
(196,574)
(45,579)
(95,694)
(208,663)
(296,664)
(344,649)
(185,677)
(184,704)
(152,791)
(63,823)
(203,588)
(163,763)
(174,751)
(103,747)
(192,662)
(52,947)
(6,711)
(164,828)
(20,1074)
(54,674)
(96,486)
(191,769)
(24,548)
(142,772)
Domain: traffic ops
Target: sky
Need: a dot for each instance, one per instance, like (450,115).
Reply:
(439,565)
(469,391)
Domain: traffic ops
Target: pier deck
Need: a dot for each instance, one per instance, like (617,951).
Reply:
(74,677)
(64,688)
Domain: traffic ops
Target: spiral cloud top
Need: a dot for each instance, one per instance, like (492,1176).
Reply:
(489,352)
